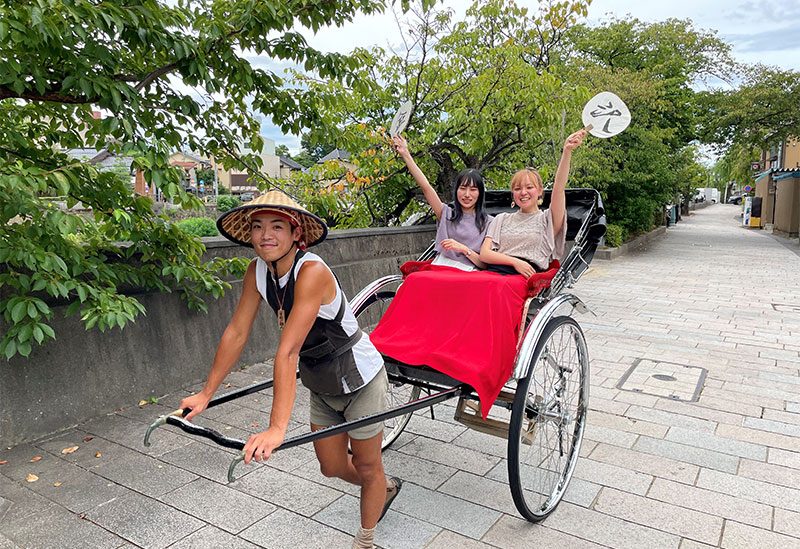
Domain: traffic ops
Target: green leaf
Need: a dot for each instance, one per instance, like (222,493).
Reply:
(19,310)
(11,349)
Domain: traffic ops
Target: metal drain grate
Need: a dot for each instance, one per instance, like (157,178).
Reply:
(664,379)
(786,308)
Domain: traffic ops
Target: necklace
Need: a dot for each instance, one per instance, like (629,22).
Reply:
(281,299)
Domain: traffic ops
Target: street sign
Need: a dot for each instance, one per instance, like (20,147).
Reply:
(747,188)
(755,166)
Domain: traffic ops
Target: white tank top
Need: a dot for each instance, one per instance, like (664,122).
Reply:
(368,359)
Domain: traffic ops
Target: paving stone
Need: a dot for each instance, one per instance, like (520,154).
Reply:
(611,475)
(481,442)
(755,436)
(715,503)
(693,409)
(395,531)
(793,407)
(783,417)
(607,406)
(464,517)
(661,516)
(224,507)
(753,490)
(580,492)
(772,426)
(130,433)
(447,454)
(142,473)
(207,461)
(311,471)
(767,472)
(286,490)
(419,471)
(607,530)
(285,530)
(6,543)
(717,444)
(615,437)
(55,526)
(513,533)
(144,521)
(670,419)
(450,540)
(688,454)
(646,463)
(787,522)
(493,494)
(434,428)
(741,536)
(78,490)
(627,424)
(212,538)
(784,457)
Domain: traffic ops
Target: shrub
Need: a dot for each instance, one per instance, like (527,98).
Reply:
(615,235)
(226,202)
(198,226)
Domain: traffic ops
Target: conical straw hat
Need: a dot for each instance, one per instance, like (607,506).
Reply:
(235,223)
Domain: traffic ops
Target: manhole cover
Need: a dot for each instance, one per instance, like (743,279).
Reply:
(664,379)
(785,308)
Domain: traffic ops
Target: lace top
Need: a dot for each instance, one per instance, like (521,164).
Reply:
(528,236)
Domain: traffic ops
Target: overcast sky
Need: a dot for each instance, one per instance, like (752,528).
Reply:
(763,31)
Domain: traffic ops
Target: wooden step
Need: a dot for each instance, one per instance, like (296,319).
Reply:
(468,412)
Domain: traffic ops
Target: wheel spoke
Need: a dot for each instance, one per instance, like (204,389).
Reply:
(552,414)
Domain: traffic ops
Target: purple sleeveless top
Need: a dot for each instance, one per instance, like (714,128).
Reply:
(464,231)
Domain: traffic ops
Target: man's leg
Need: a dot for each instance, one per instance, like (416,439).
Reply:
(334,461)
(369,467)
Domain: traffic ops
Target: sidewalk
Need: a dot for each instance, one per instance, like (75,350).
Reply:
(655,472)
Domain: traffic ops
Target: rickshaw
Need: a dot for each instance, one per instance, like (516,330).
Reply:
(541,409)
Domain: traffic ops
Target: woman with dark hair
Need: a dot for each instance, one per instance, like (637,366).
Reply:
(460,228)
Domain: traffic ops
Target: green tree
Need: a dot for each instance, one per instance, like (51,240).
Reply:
(135,61)
(282,150)
(653,68)
(762,111)
(482,94)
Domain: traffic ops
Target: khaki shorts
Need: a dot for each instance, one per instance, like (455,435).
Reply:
(328,410)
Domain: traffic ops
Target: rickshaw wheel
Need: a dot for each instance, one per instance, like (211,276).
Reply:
(368,314)
(548,418)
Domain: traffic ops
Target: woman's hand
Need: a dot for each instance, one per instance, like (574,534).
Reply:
(574,141)
(524,268)
(400,146)
(455,246)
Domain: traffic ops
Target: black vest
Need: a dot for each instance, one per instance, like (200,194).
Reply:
(326,357)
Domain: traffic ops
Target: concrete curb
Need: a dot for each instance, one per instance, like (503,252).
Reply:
(635,244)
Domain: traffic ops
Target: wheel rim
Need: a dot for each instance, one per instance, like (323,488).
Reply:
(551,428)
(368,315)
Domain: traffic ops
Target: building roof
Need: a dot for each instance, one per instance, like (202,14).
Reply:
(335,154)
(291,163)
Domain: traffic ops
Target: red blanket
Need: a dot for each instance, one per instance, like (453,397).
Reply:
(464,324)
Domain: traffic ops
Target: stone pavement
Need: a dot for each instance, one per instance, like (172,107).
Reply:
(655,472)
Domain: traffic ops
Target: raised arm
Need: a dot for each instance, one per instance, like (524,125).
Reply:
(401,146)
(558,201)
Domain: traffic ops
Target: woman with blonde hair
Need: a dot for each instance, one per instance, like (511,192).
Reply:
(527,241)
